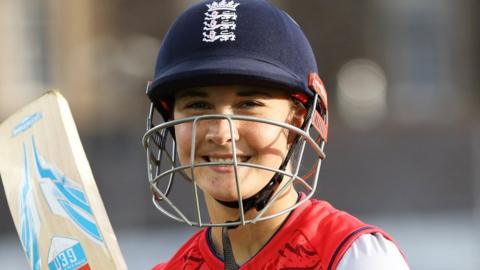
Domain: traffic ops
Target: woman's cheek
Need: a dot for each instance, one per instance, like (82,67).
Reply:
(183,138)
(262,136)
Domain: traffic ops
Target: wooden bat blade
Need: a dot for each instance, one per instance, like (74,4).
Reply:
(54,201)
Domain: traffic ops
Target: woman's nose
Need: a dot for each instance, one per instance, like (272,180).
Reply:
(220,132)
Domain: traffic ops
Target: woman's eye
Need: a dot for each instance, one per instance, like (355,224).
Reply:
(250,104)
(199,105)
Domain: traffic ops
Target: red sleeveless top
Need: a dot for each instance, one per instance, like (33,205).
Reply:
(315,236)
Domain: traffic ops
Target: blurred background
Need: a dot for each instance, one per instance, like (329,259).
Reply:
(404,88)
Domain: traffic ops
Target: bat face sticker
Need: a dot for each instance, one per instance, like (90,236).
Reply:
(64,197)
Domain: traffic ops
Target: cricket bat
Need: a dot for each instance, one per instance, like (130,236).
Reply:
(54,201)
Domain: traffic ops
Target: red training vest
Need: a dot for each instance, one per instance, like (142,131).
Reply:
(315,236)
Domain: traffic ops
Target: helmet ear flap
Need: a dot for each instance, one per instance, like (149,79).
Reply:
(320,116)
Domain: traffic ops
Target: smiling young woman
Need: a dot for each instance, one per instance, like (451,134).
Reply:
(256,142)
(245,122)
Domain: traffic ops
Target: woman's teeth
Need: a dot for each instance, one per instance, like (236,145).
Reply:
(215,159)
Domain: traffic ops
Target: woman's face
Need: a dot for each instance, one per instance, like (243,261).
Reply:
(257,143)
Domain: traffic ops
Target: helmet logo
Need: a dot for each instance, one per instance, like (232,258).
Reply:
(220,21)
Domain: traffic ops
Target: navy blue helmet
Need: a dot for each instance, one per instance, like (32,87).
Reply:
(246,42)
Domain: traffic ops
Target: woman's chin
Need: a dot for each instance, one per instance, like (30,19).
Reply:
(224,188)
(229,196)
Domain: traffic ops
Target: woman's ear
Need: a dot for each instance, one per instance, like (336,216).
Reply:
(297,120)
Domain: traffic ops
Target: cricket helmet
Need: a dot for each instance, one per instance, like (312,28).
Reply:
(237,42)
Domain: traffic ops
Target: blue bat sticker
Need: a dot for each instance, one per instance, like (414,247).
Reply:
(64,197)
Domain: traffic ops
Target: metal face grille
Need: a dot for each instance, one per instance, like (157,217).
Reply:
(170,181)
